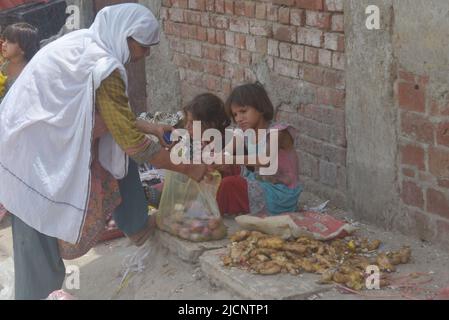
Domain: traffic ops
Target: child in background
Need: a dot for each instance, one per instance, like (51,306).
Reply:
(19,42)
(250,192)
(206,108)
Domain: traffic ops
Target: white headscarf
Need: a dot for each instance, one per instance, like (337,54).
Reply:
(47,120)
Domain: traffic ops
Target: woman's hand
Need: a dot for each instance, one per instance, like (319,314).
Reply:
(156,130)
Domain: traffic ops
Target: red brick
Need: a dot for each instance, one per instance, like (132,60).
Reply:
(411,96)
(196,64)
(310,4)
(215,68)
(164,14)
(166,3)
(334,41)
(286,67)
(260,28)
(272,12)
(325,58)
(219,6)
(333,5)
(412,155)
(210,5)
(411,194)
(310,37)
(261,45)
(313,74)
(330,97)
(297,17)
(230,38)
(406,76)
(250,9)
(298,52)
(311,55)
(417,127)
(239,25)
(408,172)
(334,79)
(235,73)
(230,55)
(197,5)
(213,83)
(285,50)
(240,41)
(284,33)
(427,178)
(245,58)
(205,19)
(261,11)
(229,7)
(320,20)
(439,162)
(284,15)
(192,17)
(239,8)
(176,14)
(438,202)
(338,60)
(443,233)
(211,53)
(180,4)
(284,2)
(443,133)
(181,60)
(220,37)
(201,34)
(338,23)
(220,22)
(211,37)
(273,47)
(444,183)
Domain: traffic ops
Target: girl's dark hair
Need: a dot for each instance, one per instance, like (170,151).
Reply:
(251,95)
(25,35)
(209,109)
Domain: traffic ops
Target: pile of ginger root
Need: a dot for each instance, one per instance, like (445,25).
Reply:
(342,261)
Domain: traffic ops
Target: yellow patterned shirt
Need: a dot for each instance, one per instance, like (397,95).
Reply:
(113,106)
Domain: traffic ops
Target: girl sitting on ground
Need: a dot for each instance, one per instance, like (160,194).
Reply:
(206,108)
(250,192)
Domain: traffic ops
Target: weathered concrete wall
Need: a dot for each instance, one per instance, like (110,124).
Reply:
(163,80)
(397,116)
(370,114)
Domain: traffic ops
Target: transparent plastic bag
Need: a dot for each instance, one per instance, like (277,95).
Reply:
(189,209)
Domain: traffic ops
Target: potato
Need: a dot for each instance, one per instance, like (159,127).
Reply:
(214,224)
(184,233)
(271,243)
(196,226)
(240,235)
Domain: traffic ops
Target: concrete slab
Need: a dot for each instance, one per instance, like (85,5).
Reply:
(252,286)
(191,251)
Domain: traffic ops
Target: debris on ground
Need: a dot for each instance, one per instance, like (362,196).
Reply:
(342,261)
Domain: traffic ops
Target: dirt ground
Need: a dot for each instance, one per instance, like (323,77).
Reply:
(165,276)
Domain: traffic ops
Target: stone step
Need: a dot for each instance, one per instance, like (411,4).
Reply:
(191,251)
(259,287)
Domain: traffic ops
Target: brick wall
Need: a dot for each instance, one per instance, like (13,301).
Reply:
(217,43)
(424,155)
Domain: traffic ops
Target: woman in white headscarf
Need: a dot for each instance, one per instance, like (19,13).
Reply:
(66,135)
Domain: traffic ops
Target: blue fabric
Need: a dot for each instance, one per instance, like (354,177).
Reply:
(279,198)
